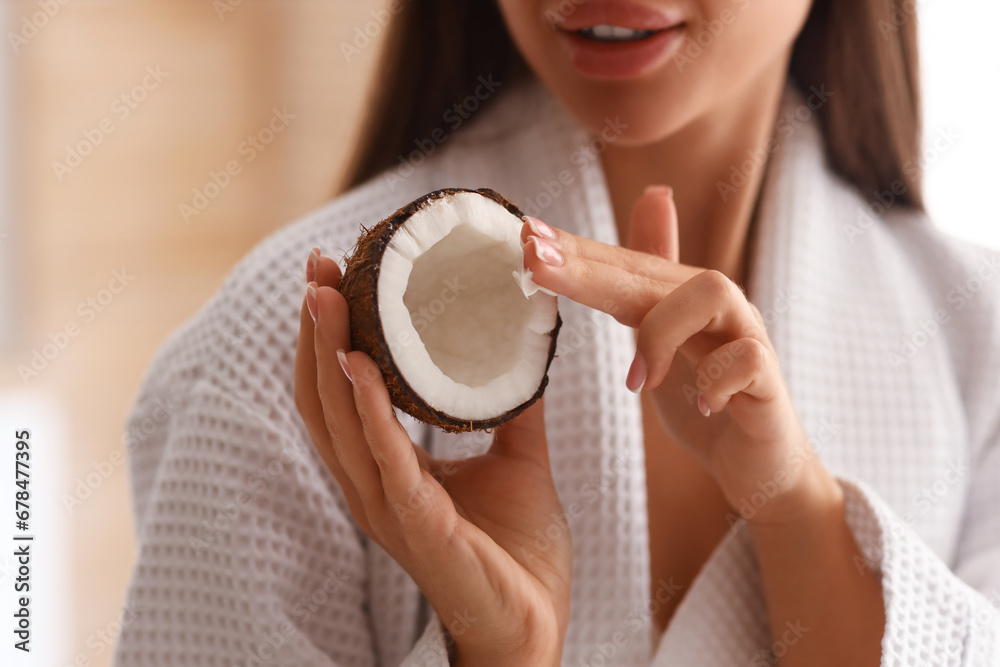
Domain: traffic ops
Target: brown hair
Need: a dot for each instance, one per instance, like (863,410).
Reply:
(863,51)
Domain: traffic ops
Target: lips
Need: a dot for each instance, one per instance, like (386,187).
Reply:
(596,50)
(623,13)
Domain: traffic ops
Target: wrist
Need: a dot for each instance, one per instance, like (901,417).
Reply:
(809,503)
(535,656)
(538,646)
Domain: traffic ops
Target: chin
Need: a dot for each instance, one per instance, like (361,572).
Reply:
(637,114)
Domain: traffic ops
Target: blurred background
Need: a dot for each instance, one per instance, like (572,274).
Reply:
(114,116)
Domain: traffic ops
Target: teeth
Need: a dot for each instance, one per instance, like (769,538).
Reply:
(614,33)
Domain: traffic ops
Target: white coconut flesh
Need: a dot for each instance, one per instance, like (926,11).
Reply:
(466,328)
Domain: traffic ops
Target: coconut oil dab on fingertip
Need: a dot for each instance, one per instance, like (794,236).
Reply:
(525,277)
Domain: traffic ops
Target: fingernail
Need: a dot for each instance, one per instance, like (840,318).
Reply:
(342,358)
(656,188)
(311,265)
(636,378)
(311,302)
(547,253)
(540,228)
(703,406)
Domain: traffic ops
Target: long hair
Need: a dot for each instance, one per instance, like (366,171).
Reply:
(865,51)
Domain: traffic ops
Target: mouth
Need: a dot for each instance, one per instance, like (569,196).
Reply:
(614,34)
(619,39)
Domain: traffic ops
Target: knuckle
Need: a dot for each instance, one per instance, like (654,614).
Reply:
(612,306)
(417,500)
(643,266)
(715,366)
(652,290)
(585,272)
(383,460)
(713,279)
(583,277)
(756,354)
(717,286)
(570,242)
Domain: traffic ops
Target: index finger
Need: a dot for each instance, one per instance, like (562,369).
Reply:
(624,294)
(646,264)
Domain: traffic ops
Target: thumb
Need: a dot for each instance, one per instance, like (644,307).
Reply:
(523,436)
(653,227)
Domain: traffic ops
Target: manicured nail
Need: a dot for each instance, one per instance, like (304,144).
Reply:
(311,302)
(540,228)
(342,358)
(703,406)
(547,253)
(636,378)
(311,265)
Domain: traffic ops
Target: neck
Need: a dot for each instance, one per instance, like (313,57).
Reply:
(714,208)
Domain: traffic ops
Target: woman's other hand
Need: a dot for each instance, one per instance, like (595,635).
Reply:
(702,351)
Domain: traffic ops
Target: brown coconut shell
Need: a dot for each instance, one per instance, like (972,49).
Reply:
(359,288)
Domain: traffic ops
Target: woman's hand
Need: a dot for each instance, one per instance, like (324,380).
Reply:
(703,353)
(467,531)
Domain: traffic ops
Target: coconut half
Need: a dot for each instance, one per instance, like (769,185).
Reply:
(438,296)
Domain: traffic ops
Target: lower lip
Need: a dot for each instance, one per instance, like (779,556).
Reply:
(621,60)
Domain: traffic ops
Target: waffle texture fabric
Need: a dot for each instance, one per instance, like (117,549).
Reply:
(889,338)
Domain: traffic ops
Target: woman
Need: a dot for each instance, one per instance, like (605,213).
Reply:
(802,472)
